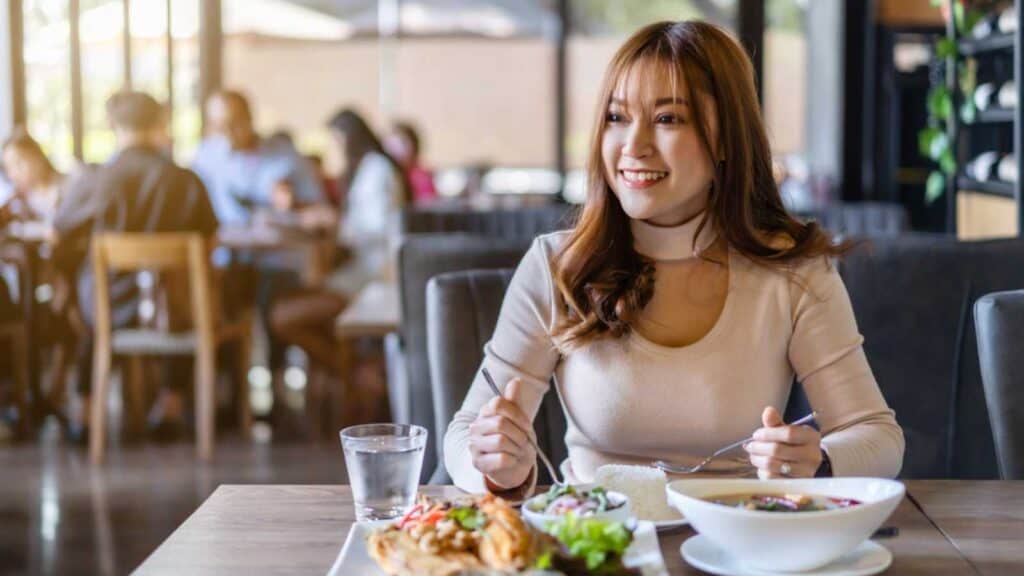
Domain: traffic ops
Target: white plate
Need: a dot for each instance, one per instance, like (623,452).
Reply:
(354,558)
(868,558)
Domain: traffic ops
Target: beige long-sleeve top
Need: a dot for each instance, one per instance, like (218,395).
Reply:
(630,400)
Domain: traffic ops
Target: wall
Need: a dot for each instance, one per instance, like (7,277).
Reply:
(984,216)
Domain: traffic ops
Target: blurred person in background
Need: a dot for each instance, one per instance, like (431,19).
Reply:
(38,191)
(403,144)
(36,186)
(375,191)
(138,190)
(244,171)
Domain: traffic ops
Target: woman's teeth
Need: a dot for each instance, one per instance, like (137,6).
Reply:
(638,176)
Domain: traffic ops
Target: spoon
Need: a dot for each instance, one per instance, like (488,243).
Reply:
(552,471)
(683,469)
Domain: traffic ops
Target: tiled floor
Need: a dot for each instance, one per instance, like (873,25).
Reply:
(59,515)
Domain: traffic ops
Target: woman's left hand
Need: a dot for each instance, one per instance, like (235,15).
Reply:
(781,451)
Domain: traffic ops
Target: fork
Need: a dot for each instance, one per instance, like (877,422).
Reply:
(681,469)
(552,471)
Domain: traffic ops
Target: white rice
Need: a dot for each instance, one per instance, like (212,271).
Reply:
(645,487)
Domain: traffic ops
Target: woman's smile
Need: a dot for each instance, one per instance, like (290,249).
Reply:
(641,179)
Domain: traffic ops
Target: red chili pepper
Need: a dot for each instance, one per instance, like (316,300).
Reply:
(433,517)
(409,515)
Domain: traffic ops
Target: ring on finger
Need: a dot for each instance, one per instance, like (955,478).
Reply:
(785,469)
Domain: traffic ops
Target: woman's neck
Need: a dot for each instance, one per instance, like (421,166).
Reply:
(679,242)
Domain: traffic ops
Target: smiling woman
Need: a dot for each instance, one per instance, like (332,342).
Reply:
(678,310)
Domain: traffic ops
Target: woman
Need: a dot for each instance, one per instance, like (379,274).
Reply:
(36,183)
(678,309)
(375,192)
(404,146)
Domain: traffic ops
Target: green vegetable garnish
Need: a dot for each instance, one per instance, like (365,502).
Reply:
(595,540)
(468,517)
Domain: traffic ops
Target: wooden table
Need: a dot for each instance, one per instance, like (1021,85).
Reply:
(373,312)
(317,250)
(281,530)
(983,519)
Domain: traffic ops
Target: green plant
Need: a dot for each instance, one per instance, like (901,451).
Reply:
(933,141)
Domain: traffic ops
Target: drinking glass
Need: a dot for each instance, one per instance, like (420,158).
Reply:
(384,462)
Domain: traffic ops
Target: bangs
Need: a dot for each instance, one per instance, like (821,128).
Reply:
(648,73)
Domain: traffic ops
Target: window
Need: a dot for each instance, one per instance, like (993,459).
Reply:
(104,49)
(298,64)
(47,56)
(102,55)
(785,75)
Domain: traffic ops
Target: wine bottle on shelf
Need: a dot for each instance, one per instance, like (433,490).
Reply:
(985,27)
(983,95)
(1007,168)
(1007,95)
(980,168)
(1007,20)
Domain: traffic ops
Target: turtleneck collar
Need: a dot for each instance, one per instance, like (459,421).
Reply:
(672,242)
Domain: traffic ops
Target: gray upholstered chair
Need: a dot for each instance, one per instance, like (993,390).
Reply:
(420,257)
(505,223)
(462,310)
(999,318)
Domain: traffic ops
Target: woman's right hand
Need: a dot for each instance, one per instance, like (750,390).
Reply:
(498,440)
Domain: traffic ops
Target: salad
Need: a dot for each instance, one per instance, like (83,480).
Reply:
(561,500)
(588,546)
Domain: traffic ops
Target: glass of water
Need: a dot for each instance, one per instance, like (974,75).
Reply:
(384,462)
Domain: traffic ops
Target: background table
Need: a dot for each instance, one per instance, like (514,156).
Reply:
(282,530)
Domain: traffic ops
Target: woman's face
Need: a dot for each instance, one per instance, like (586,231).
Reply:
(653,158)
(25,172)
(340,148)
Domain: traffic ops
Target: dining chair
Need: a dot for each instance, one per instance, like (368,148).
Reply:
(462,311)
(187,256)
(999,319)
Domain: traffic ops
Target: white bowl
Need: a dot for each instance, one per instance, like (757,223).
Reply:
(540,520)
(786,541)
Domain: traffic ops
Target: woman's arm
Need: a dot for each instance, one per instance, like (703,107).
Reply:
(521,347)
(860,433)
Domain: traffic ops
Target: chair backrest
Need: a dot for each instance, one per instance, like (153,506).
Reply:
(421,257)
(999,318)
(507,223)
(178,252)
(462,310)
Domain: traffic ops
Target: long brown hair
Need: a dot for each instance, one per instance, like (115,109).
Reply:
(601,277)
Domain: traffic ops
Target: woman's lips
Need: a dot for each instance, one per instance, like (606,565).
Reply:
(641,179)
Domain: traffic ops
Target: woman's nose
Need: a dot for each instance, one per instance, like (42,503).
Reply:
(638,141)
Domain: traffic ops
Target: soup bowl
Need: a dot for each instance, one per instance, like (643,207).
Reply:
(786,541)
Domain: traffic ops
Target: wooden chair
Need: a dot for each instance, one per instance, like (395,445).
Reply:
(166,252)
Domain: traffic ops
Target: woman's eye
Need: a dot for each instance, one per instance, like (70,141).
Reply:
(668,119)
(613,117)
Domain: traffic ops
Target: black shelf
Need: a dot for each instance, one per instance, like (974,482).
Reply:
(994,187)
(995,115)
(999,41)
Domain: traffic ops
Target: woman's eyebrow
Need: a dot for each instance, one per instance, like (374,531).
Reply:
(659,102)
(671,100)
